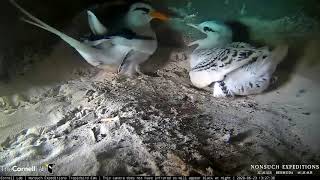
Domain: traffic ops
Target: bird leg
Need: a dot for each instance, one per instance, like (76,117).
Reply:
(138,70)
(127,69)
(121,65)
(131,70)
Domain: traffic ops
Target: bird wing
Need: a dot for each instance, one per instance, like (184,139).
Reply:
(213,64)
(255,76)
(125,37)
(219,59)
(125,33)
(240,45)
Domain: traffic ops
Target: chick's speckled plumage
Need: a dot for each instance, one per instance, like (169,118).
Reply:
(231,68)
(216,63)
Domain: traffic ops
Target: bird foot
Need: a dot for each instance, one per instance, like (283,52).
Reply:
(128,74)
(104,75)
(132,71)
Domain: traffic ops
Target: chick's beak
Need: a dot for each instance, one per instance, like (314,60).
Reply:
(159,15)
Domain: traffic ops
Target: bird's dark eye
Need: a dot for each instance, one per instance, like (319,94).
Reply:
(146,10)
(206,29)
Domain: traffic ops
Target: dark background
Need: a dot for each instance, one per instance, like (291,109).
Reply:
(17,37)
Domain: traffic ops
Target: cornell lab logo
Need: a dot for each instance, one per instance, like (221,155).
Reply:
(50,167)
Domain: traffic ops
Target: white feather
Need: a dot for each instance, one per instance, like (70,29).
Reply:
(95,25)
(253,78)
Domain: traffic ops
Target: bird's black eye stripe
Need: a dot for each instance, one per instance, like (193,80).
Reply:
(146,10)
(208,29)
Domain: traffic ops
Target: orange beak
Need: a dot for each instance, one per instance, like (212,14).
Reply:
(159,15)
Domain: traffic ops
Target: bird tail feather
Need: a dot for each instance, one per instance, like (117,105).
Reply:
(80,47)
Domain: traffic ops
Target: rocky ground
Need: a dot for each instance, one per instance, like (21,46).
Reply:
(147,126)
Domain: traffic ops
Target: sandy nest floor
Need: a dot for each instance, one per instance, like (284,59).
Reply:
(152,126)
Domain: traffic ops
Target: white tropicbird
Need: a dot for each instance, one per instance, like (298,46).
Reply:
(129,48)
(231,68)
